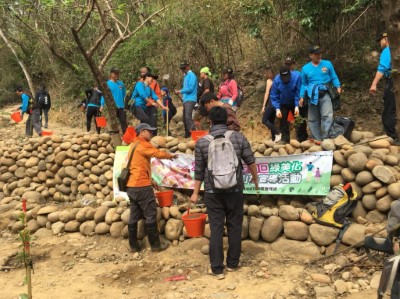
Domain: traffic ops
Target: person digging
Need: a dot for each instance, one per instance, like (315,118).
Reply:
(140,188)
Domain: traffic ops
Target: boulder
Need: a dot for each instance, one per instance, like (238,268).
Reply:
(102,228)
(348,174)
(72,226)
(100,214)
(31,162)
(394,190)
(357,161)
(116,229)
(288,213)
(323,235)
(359,210)
(384,203)
(54,217)
(296,249)
(34,197)
(306,217)
(376,217)
(64,216)
(47,210)
(125,216)
(58,227)
(245,228)
(33,225)
(295,230)
(369,201)
(87,228)
(371,187)
(255,228)
(271,229)
(173,229)
(364,177)
(383,143)
(175,213)
(384,174)
(354,234)
(328,145)
(253,210)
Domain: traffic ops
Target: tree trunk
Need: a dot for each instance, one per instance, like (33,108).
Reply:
(20,62)
(98,75)
(391,12)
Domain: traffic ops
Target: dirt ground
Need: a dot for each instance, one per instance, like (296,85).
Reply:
(74,266)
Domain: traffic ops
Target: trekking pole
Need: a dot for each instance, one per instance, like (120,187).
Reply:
(167,119)
(397,226)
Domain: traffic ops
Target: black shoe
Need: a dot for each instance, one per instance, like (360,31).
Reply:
(132,235)
(154,238)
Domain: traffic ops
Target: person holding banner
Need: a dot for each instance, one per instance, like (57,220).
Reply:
(223,203)
(140,188)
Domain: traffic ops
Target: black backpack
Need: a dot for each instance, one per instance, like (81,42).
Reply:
(240,96)
(43,99)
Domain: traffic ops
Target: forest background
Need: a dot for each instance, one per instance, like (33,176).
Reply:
(248,35)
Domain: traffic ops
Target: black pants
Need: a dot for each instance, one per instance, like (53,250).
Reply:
(284,127)
(151,112)
(268,120)
(141,115)
(92,112)
(143,204)
(33,123)
(301,129)
(389,119)
(221,206)
(121,115)
(188,117)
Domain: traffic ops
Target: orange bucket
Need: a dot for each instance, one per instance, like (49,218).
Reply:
(165,198)
(101,122)
(47,133)
(196,135)
(290,117)
(195,224)
(16,116)
(130,135)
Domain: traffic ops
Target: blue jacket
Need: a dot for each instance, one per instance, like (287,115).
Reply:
(141,93)
(286,93)
(25,102)
(318,75)
(189,90)
(118,92)
(385,65)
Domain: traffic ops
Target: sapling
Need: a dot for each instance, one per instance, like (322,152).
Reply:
(24,255)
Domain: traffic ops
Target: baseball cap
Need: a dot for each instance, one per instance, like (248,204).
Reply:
(285,74)
(290,60)
(315,49)
(18,88)
(114,70)
(143,126)
(183,64)
(381,35)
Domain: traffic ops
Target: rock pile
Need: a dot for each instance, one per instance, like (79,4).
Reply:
(68,184)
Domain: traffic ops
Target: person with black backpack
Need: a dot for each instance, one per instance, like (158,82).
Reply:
(218,157)
(44,103)
(94,106)
(30,107)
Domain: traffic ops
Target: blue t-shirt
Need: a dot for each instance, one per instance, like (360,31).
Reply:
(141,93)
(118,92)
(310,167)
(286,93)
(385,65)
(189,90)
(25,102)
(312,75)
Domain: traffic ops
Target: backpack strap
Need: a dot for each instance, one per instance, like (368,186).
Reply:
(228,134)
(345,226)
(393,273)
(209,137)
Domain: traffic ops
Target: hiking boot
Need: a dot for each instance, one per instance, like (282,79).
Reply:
(234,269)
(217,276)
(154,238)
(133,240)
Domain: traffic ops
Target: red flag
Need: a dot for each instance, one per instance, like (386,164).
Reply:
(290,117)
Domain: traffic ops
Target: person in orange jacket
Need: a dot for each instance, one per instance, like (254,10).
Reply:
(140,188)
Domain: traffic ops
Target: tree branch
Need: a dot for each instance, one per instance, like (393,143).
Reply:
(103,20)
(116,21)
(86,17)
(115,45)
(20,62)
(90,53)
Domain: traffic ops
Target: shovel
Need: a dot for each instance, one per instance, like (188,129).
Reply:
(166,78)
